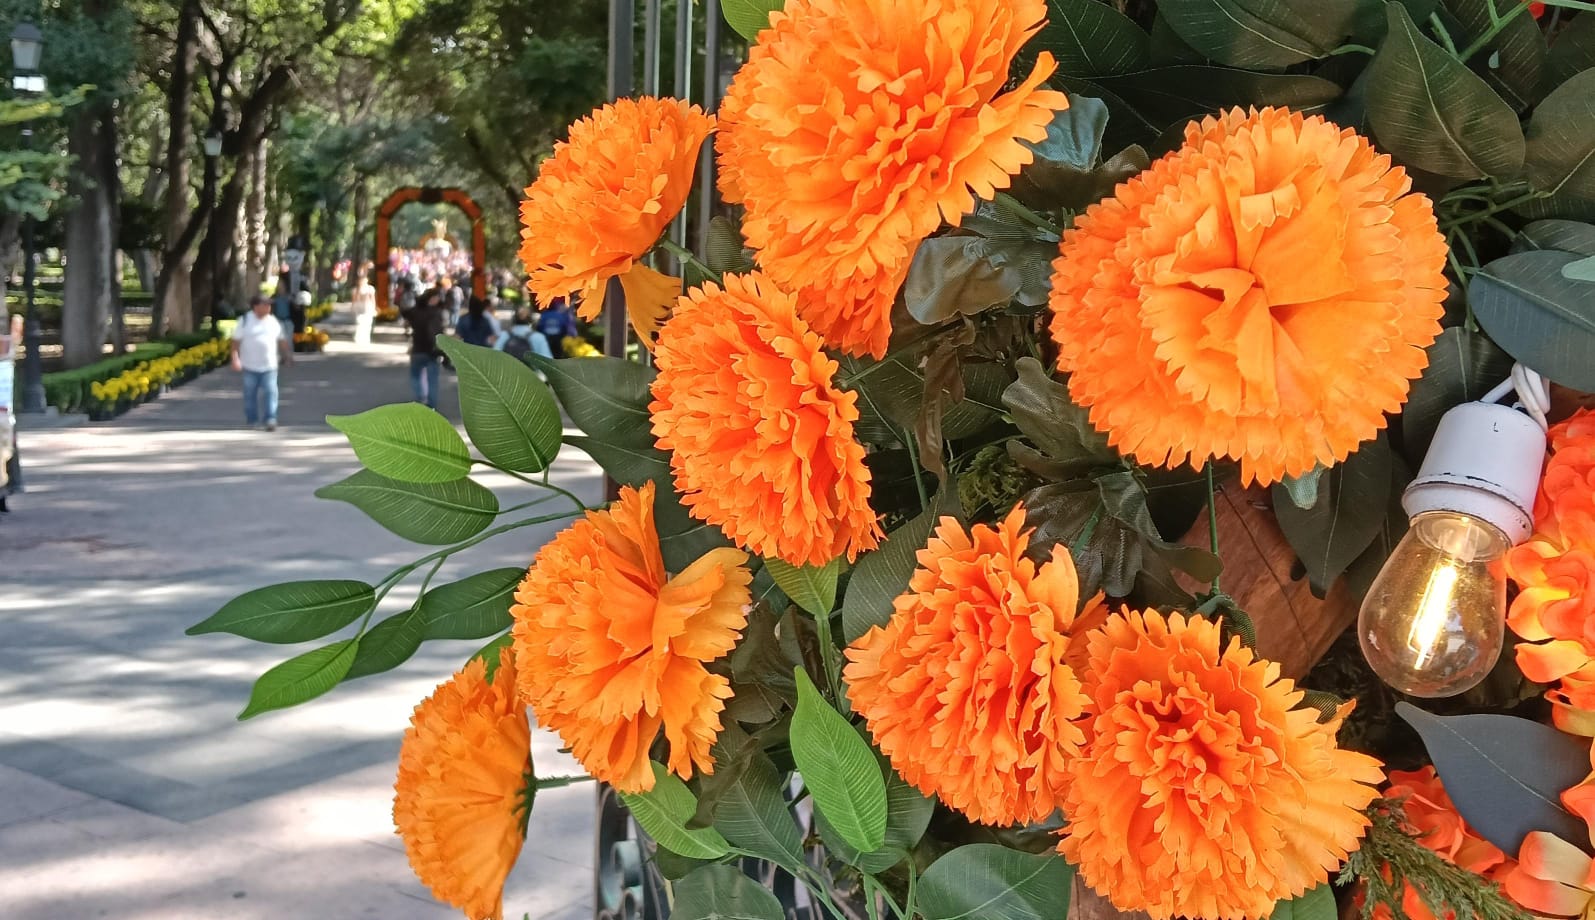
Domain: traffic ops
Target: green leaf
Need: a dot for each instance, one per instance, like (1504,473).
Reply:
(434,513)
(1560,156)
(663,812)
(749,17)
(407,442)
(950,277)
(752,814)
(1317,904)
(839,768)
(1582,270)
(388,645)
(882,574)
(1463,366)
(908,814)
(301,678)
(682,537)
(296,611)
(471,608)
(491,653)
(1041,408)
(605,397)
(627,464)
(724,251)
(1347,517)
(1090,39)
(1538,315)
(1165,96)
(984,881)
(1303,489)
(1261,34)
(1513,60)
(723,893)
(509,414)
(1564,235)
(1068,171)
(1434,113)
(811,587)
(1573,52)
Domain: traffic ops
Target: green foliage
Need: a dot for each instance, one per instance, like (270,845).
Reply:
(69,391)
(1317,904)
(1541,313)
(1345,518)
(723,893)
(663,812)
(983,880)
(749,17)
(839,769)
(296,611)
(301,678)
(389,644)
(407,442)
(509,414)
(472,608)
(436,513)
(811,587)
(1391,858)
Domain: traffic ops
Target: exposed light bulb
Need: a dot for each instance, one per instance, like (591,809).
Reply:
(1434,620)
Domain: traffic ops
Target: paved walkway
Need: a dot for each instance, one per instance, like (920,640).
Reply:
(127,789)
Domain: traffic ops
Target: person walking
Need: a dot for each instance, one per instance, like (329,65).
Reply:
(557,322)
(260,343)
(523,339)
(453,298)
(426,321)
(364,303)
(478,326)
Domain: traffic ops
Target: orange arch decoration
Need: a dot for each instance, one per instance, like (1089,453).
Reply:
(410,194)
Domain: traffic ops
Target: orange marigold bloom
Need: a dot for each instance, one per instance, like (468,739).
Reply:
(605,197)
(460,803)
(1202,791)
(1264,293)
(761,438)
(968,688)
(857,126)
(612,649)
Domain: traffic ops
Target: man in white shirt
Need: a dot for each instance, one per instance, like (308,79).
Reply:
(259,342)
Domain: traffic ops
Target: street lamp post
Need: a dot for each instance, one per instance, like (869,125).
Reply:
(27,45)
(213,151)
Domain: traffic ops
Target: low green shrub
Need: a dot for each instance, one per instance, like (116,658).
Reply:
(69,391)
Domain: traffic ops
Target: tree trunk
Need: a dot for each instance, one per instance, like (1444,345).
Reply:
(173,309)
(359,243)
(90,288)
(255,267)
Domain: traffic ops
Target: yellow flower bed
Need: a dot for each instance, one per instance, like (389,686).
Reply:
(137,383)
(577,347)
(318,312)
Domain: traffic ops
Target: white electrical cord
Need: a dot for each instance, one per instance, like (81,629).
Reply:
(1533,393)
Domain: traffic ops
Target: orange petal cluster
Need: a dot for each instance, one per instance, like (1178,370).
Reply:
(857,126)
(606,195)
(1554,611)
(1553,878)
(761,437)
(1263,293)
(460,803)
(968,688)
(612,649)
(1430,812)
(1202,790)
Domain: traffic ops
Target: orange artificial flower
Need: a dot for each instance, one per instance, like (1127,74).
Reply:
(968,688)
(603,200)
(1264,293)
(761,438)
(460,803)
(857,126)
(1554,611)
(1564,509)
(1427,807)
(1553,878)
(1203,790)
(612,649)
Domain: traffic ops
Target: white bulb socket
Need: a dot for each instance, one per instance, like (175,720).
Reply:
(1484,462)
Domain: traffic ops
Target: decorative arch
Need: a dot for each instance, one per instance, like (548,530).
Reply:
(409,194)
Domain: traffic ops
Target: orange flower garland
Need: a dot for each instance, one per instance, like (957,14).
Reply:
(857,126)
(612,650)
(968,688)
(761,438)
(1202,791)
(1430,812)
(603,200)
(460,802)
(1264,293)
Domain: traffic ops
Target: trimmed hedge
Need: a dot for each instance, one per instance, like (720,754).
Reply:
(68,391)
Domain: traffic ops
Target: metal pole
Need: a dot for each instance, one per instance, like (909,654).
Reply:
(32,363)
(711,101)
(622,20)
(650,48)
(683,90)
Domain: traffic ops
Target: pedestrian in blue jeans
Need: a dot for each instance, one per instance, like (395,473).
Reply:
(426,319)
(259,344)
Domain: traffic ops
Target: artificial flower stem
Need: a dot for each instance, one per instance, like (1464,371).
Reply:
(397,575)
(524,505)
(1572,5)
(1498,22)
(833,678)
(540,483)
(1212,519)
(686,257)
(1441,33)
(910,441)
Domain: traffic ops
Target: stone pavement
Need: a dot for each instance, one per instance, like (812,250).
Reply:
(127,788)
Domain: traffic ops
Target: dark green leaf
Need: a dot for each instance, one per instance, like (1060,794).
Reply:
(811,587)
(1505,774)
(761,671)
(1090,39)
(1434,113)
(296,611)
(473,607)
(1582,270)
(908,814)
(491,653)
(663,812)
(882,574)
(891,397)
(1165,96)
(1348,515)
(749,17)
(388,645)
(1303,489)
(724,251)
(682,537)
(1260,33)
(949,277)
(723,893)
(838,768)
(1538,315)
(1573,51)
(1513,61)
(1564,235)
(1317,904)
(407,442)
(301,678)
(1068,170)
(509,414)
(1560,156)
(752,814)
(1041,407)
(434,513)
(627,464)
(984,881)
(605,397)
(1463,366)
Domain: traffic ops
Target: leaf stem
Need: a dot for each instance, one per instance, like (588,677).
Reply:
(1350,48)
(1212,519)
(833,676)
(1498,22)
(539,483)
(531,504)
(1441,33)
(1009,202)
(686,257)
(911,442)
